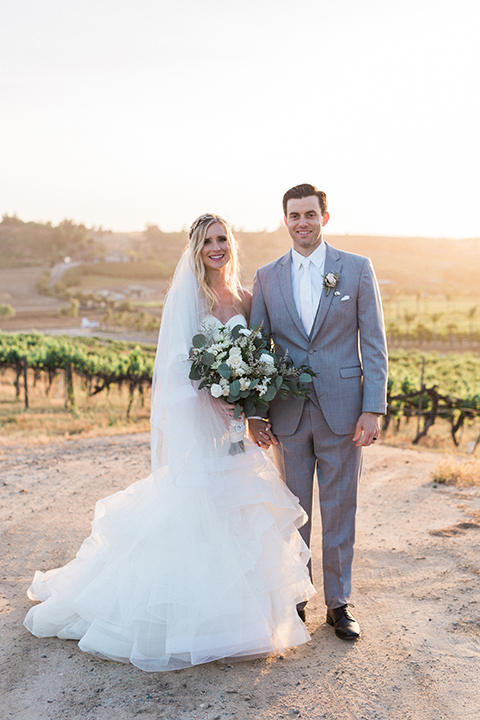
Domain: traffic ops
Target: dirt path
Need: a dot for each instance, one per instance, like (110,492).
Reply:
(416,592)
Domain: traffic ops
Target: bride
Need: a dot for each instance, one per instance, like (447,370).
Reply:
(202,560)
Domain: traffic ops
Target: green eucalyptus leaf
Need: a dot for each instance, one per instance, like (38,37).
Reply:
(237,412)
(208,359)
(305,378)
(235,388)
(270,394)
(194,374)
(236,331)
(224,371)
(199,341)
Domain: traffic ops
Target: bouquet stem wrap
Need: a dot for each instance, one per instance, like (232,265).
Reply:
(236,430)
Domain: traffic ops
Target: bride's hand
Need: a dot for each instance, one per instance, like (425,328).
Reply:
(261,433)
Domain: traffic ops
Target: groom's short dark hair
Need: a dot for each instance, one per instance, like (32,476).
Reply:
(305,190)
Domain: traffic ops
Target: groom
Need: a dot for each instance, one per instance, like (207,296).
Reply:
(323,305)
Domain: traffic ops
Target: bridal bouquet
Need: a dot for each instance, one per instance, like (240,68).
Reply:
(235,364)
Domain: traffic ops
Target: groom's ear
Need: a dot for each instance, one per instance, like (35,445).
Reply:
(325,218)
(285,220)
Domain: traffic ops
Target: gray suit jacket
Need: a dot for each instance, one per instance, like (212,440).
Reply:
(346,348)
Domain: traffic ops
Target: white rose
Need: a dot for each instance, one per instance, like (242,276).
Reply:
(235,362)
(216,390)
(226,391)
(245,331)
(331,279)
(244,384)
(235,352)
(268,359)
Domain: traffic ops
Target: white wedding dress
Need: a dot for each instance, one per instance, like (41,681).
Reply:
(185,568)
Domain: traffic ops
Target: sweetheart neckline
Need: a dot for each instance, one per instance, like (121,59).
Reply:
(226,321)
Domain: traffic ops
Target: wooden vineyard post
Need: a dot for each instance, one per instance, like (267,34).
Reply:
(25,380)
(18,373)
(69,391)
(420,397)
(131,392)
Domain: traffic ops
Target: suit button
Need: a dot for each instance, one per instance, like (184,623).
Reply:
(310,352)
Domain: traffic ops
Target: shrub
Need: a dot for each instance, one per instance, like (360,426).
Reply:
(7,311)
(72,309)
(452,472)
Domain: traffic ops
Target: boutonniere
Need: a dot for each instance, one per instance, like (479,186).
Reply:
(330,281)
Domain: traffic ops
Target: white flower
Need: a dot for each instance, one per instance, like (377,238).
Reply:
(262,388)
(216,390)
(235,351)
(235,362)
(223,382)
(245,331)
(267,359)
(214,349)
(330,281)
(244,384)
(226,391)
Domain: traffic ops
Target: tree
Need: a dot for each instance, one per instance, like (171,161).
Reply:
(471,314)
(409,318)
(435,317)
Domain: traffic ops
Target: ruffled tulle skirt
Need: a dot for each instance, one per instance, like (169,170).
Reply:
(183,571)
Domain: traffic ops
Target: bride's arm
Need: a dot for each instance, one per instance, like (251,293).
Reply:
(246,304)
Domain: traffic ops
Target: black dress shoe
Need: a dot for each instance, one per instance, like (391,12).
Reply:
(302,614)
(342,620)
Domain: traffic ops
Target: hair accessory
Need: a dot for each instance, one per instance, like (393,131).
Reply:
(207,217)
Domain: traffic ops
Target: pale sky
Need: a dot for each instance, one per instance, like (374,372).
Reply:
(127,112)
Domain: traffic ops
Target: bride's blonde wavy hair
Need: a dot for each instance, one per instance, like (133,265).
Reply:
(197,235)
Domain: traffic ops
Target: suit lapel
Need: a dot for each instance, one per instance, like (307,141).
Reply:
(332,264)
(285,286)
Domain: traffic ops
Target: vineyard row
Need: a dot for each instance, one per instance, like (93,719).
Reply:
(426,387)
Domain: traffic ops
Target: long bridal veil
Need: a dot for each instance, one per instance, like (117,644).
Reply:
(188,427)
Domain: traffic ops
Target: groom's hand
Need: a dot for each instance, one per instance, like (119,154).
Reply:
(367,429)
(261,433)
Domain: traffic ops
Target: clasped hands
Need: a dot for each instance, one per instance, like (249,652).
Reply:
(366,432)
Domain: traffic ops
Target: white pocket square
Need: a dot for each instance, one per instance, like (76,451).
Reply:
(345,297)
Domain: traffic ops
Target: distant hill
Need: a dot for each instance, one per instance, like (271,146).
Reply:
(32,243)
(403,265)
(409,265)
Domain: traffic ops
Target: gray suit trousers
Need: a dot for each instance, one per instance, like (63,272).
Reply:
(338,463)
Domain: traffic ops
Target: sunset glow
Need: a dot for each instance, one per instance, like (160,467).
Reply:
(120,114)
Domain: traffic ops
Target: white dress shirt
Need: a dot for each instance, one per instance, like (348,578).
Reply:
(316,270)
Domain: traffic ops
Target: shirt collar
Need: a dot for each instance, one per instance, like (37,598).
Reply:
(317,257)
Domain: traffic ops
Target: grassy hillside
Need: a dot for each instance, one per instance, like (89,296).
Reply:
(32,243)
(406,266)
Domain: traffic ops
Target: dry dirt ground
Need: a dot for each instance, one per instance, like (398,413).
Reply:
(416,595)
